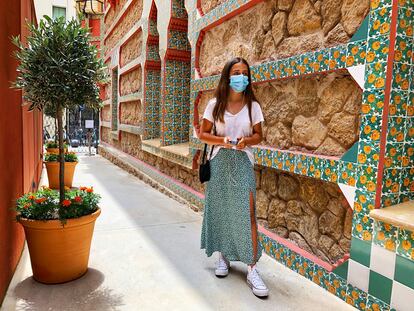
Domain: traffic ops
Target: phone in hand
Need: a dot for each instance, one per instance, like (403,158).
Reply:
(233,142)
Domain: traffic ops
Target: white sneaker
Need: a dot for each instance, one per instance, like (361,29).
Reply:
(256,283)
(223,265)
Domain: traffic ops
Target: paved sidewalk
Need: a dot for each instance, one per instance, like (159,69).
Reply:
(145,256)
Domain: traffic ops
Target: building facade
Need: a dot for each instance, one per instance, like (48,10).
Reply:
(54,9)
(334,79)
(20,139)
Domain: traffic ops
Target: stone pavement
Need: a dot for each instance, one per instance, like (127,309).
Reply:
(145,256)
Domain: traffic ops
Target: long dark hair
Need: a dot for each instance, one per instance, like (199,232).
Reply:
(223,90)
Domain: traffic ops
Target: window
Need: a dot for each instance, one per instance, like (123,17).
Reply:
(58,12)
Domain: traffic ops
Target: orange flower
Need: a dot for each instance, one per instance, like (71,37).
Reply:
(83,188)
(78,199)
(366,235)
(26,206)
(89,190)
(406,245)
(40,200)
(31,197)
(390,245)
(66,203)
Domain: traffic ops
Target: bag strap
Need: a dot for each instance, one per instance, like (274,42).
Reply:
(205,146)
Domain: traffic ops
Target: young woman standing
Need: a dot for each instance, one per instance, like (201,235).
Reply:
(231,124)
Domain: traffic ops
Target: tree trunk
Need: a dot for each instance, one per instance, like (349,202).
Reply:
(61,156)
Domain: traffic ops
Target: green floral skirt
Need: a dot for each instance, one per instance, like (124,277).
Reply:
(227,223)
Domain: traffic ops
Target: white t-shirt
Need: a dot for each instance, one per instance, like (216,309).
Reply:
(235,126)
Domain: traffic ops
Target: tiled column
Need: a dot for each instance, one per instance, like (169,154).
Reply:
(381,262)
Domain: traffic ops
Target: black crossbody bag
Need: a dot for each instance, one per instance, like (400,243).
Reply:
(204,171)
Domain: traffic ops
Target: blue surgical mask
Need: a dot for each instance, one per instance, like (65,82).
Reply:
(239,83)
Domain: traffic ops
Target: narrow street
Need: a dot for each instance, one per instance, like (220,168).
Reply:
(145,256)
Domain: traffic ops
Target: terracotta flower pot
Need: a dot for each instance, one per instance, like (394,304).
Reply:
(53,173)
(55,150)
(59,253)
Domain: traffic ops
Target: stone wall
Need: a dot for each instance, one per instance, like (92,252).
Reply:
(106,113)
(183,174)
(113,13)
(131,81)
(131,144)
(105,134)
(131,112)
(278,29)
(316,114)
(132,49)
(132,16)
(311,213)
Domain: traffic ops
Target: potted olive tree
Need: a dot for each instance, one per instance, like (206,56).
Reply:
(59,69)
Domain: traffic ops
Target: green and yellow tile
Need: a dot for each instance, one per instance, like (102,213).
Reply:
(385,235)
(407,179)
(393,155)
(356,297)
(373,102)
(375,74)
(371,128)
(396,129)
(405,22)
(356,53)
(368,153)
(401,76)
(405,244)
(380,21)
(377,50)
(362,226)
(391,181)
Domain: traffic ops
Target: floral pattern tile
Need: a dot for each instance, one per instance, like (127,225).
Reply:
(279,160)
(375,73)
(321,277)
(403,49)
(401,76)
(385,235)
(367,178)
(409,130)
(347,173)
(356,297)
(407,179)
(301,165)
(289,164)
(337,286)
(337,57)
(393,155)
(371,128)
(364,201)
(405,22)
(405,244)
(389,199)
(362,226)
(391,181)
(330,171)
(356,53)
(398,103)
(377,49)
(380,22)
(396,128)
(368,153)
(373,102)
(316,167)
(408,155)
(375,304)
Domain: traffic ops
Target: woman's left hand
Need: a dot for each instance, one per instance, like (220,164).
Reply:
(241,144)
